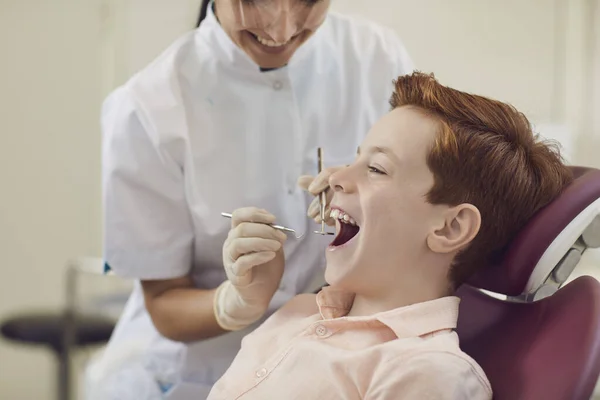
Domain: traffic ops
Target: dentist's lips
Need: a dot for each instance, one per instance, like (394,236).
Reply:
(268,46)
(348,228)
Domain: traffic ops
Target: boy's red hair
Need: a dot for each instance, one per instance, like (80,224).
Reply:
(486,155)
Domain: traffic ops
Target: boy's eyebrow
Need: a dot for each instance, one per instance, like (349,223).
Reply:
(381,149)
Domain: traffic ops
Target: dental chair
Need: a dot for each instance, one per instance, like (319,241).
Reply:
(542,339)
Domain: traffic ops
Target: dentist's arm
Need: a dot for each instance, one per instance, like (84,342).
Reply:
(180,311)
(149,234)
(253,261)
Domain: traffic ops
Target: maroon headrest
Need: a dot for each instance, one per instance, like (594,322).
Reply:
(548,349)
(509,275)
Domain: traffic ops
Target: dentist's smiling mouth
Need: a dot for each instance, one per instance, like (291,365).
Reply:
(348,228)
(271,46)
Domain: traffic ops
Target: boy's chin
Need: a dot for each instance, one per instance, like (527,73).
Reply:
(338,276)
(331,278)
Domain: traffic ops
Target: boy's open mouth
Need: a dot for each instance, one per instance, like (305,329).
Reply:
(348,227)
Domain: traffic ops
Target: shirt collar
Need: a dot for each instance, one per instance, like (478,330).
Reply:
(409,321)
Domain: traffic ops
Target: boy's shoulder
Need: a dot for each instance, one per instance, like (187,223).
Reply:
(437,359)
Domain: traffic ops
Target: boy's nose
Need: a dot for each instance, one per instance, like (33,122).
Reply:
(341,180)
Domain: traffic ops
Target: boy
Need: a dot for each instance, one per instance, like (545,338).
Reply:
(440,184)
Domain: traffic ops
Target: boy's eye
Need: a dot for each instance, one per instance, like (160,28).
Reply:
(376,170)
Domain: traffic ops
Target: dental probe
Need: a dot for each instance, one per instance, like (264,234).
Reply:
(279,227)
(322,196)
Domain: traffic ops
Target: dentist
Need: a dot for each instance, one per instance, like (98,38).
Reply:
(228,116)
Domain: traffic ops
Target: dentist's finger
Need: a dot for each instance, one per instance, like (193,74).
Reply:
(328,220)
(256,230)
(242,246)
(243,266)
(251,214)
(314,209)
(321,182)
(304,181)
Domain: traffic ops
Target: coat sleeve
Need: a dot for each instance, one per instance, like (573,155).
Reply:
(148,233)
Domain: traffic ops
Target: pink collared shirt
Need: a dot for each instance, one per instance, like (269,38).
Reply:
(311,350)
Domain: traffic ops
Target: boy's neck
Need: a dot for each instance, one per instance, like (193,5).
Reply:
(404,295)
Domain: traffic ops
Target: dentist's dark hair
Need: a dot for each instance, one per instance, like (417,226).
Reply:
(203,12)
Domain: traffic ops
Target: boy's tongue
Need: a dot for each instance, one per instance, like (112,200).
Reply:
(345,233)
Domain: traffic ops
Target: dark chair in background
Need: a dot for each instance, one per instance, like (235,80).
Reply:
(64,331)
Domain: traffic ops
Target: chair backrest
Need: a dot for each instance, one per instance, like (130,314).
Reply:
(548,349)
(540,246)
(533,346)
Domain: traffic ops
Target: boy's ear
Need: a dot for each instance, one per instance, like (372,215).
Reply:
(459,226)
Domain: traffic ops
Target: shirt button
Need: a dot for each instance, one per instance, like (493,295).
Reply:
(277,85)
(261,372)
(321,330)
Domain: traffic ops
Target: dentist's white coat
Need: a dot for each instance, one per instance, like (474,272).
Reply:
(200,131)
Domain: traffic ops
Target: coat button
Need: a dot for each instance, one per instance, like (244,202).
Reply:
(261,372)
(321,330)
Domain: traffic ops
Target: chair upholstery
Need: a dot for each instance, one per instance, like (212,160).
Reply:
(545,349)
(509,274)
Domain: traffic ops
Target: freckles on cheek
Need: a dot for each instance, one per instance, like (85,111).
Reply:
(379,215)
(392,216)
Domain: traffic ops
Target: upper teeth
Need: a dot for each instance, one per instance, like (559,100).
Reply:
(270,43)
(342,216)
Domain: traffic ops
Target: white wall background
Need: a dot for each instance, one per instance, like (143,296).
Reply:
(60,58)
(50,91)
(535,54)
(505,49)
(591,147)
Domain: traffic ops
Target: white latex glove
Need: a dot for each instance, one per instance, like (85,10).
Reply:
(315,185)
(253,260)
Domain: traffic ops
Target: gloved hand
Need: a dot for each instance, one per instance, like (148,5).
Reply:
(253,259)
(315,185)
